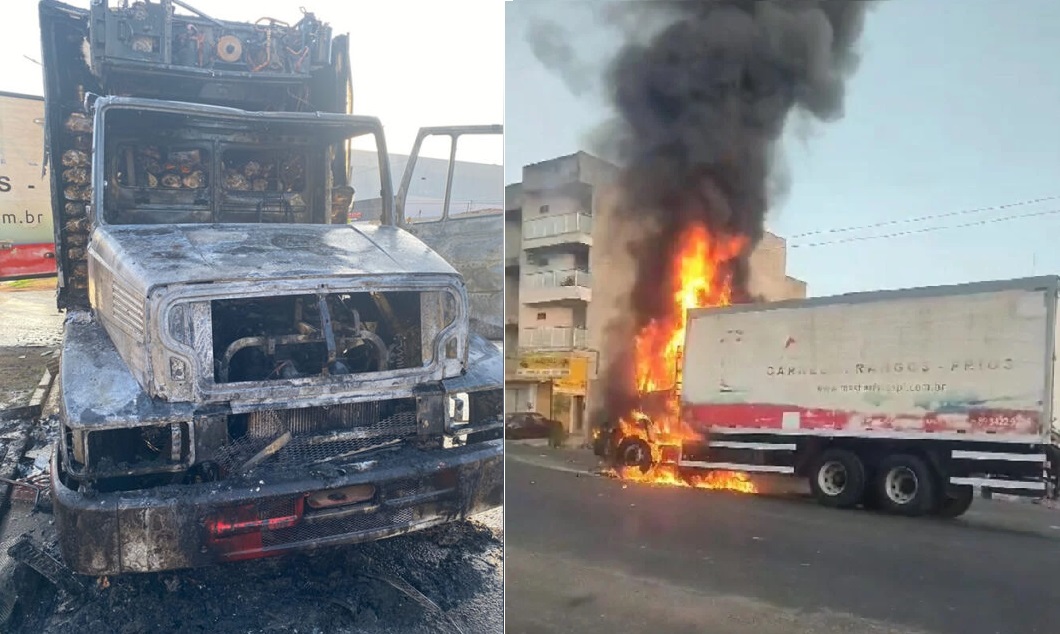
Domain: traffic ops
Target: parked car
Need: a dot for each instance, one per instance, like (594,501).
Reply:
(524,425)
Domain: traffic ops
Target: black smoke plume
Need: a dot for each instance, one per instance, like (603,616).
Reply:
(701,108)
(550,43)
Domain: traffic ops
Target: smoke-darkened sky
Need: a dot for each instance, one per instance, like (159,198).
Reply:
(951,109)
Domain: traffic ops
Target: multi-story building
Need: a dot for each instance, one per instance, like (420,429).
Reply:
(555,318)
(548,289)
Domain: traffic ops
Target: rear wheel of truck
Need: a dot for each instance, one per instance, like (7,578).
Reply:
(955,502)
(634,452)
(838,479)
(905,485)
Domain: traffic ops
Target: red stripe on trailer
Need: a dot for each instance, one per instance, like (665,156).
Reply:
(27,260)
(766,417)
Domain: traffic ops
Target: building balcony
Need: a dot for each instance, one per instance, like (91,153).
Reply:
(568,286)
(556,338)
(558,230)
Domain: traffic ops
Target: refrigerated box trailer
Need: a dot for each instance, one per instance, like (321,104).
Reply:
(906,400)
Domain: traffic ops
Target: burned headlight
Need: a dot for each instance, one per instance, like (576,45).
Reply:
(128,451)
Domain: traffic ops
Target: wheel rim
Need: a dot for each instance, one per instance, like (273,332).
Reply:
(633,456)
(832,478)
(901,485)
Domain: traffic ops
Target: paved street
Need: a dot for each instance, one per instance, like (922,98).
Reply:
(591,554)
(29,314)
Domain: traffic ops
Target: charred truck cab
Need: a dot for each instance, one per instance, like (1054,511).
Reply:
(246,375)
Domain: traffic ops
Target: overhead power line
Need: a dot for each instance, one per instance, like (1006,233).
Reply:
(898,234)
(899,221)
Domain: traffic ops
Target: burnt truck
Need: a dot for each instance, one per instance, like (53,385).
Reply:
(243,372)
(905,400)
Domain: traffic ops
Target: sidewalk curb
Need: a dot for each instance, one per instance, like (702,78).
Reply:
(33,409)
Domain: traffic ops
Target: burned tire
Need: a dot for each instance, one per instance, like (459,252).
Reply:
(905,485)
(838,479)
(956,502)
(633,452)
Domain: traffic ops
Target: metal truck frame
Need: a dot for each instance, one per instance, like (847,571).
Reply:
(919,473)
(244,373)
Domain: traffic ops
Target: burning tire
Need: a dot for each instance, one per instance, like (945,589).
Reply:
(906,486)
(838,479)
(634,452)
(955,503)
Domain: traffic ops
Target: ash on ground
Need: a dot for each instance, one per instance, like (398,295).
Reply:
(441,580)
(446,579)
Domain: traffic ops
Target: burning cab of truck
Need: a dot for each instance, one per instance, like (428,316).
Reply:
(251,378)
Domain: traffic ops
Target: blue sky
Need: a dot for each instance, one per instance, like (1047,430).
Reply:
(956,106)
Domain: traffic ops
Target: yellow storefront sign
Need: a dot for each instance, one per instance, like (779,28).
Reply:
(576,379)
(543,366)
(568,373)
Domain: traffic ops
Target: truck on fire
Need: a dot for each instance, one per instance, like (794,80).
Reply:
(905,400)
(243,371)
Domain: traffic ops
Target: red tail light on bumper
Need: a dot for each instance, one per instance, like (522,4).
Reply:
(251,517)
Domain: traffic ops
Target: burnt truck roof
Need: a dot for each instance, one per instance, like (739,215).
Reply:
(152,255)
(348,122)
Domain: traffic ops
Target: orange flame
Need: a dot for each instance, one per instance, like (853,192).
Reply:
(702,275)
(668,476)
(703,278)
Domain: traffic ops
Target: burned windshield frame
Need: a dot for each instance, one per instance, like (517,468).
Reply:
(198,186)
(453,133)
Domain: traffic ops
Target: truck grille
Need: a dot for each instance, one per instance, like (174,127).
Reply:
(321,434)
(311,420)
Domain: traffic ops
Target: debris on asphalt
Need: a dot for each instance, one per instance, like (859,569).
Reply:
(28,552)
(439,580)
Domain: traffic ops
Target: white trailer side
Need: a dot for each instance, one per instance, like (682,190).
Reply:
(27,244)
(959,377)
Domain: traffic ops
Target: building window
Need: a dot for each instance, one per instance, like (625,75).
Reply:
(543,209)
(542,316)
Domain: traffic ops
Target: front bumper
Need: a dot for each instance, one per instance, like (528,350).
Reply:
(185,526)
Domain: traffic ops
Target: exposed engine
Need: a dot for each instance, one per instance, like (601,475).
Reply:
(273,338)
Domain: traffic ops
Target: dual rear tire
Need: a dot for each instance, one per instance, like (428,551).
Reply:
(906,485)
(901,484)
(838,479)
